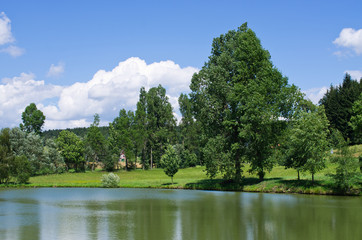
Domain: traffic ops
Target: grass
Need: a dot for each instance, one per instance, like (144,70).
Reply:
(279,180)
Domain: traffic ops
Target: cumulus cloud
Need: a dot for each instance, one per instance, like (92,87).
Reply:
(5,30)
(106,93)
(109,91)
(315,94)
(18,92)
(56,70)
(355,74)
(350,38)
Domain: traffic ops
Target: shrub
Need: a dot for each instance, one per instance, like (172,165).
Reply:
(110,180)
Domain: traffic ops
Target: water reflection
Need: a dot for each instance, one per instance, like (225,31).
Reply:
(174,214)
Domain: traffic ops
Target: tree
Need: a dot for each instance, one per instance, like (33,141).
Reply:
(356,120)
(338,102)
(71,148)
(160,123)
(154,125)
(305,146)
(120,135)
(140,128)
(33,119)
(170,162)
(12,166)
(31,146)
(95,142)
(346,170)
(190,132)
(239,96)
(6,156)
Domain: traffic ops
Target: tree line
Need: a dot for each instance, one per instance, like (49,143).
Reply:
(241,110)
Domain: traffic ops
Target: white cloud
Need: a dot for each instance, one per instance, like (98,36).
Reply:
(109,91)
(355,74)
(106,93)
(56,70)
(315,94)
(18,92)
(13,51)
(5,30)
(6,37)
(350,38)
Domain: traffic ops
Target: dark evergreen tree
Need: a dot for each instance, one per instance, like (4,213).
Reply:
(338,102)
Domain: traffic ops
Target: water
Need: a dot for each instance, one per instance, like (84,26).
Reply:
(81,213)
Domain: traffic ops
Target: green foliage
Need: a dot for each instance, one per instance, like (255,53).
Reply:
(110,180)
(346,171)
(187,159)
(240,96)
(96,147)
(305,144)
(120,135)
(71,148)
(338,102)
(154,126)
(218,158)
(356,120)
(33,119)
(21,169)
(6,157)
(170,162)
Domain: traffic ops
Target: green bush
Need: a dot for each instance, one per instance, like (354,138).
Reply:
(110,180)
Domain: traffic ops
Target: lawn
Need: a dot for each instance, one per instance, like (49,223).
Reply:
(279,180)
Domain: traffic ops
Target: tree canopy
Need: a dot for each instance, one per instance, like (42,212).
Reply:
(239,97)
(33,119)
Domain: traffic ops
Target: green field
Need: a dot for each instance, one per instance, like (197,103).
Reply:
(279,180)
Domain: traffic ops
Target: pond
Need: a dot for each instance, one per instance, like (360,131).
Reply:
(96,213)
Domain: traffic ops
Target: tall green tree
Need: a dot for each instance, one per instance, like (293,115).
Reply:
(239,96)
(305,146)
(338,102)
(71,148)
(33,119)
(120,135)
(95,142)
(160,123)
(140,128)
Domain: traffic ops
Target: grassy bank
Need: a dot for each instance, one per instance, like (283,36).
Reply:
(280,180)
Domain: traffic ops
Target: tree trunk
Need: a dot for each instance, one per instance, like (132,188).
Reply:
(261,175)
(298,175)
(126,162)
(312,177)
(151,159)
(172,180)
(237,167)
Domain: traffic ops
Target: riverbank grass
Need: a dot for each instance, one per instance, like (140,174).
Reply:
(279,180)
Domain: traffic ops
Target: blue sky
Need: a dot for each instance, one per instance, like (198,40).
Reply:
(53,52)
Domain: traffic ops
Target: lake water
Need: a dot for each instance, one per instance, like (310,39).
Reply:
(96,213)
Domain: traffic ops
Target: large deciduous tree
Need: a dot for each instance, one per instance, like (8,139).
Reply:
(239,98)
(33,119)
